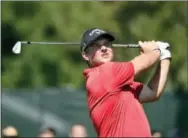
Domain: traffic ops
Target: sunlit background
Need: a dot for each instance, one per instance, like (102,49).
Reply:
(44,85)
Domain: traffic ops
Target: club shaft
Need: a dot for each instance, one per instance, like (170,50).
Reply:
(77,43)
(126,45)
(51,43)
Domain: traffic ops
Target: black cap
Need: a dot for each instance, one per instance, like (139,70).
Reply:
(92,35)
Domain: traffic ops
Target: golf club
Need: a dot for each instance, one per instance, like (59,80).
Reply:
(17,47)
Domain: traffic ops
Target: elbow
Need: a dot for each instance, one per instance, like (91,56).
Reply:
(156,97)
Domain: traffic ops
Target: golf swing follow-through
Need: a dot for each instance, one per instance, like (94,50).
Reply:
(114,96)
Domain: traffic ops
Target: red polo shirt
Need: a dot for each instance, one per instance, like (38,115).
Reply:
(113,101)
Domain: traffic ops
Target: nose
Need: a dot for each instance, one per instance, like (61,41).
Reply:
(104,49)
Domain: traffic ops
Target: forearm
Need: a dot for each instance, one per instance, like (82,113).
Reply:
(159,80)
(145,61)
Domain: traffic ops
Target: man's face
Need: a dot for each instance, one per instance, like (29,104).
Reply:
(157,134)
(99,52)
(46,134)
(78,131)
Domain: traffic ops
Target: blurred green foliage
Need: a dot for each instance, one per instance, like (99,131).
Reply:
(59,66)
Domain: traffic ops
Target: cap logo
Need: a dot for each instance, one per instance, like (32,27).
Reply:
(96,31)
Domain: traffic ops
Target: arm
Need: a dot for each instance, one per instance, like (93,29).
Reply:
(153,90)
(145,61)
(124,73)
(150,55)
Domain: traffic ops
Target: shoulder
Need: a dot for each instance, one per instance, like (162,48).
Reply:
(122,66)
(116,64)
(109,66)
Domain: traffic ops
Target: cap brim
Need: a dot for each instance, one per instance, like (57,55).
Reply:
(107,35)
(104,35)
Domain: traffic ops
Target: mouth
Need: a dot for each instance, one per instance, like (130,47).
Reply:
(106,55)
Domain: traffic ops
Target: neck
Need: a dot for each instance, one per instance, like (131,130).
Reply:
(93,65)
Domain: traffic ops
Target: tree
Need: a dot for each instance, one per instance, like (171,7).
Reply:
(59,66)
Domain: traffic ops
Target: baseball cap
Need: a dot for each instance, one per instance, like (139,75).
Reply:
(92,35)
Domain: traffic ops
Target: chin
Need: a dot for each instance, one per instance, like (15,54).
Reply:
(106,60)
(101,61)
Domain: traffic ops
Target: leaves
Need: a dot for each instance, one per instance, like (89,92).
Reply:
(58,66)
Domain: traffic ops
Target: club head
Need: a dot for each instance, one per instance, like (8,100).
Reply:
(17,48)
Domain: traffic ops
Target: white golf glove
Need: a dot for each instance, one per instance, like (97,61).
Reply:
(165,53)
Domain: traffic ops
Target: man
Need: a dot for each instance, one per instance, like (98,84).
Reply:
(114,97)
(10,132)
(47,132)
(157,134)
(78,130)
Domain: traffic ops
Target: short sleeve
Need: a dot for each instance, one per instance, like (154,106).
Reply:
(123,73)
(137,87)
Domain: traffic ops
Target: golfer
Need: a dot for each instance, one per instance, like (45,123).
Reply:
(114,97)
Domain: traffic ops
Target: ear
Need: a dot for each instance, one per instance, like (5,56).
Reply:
(85,57)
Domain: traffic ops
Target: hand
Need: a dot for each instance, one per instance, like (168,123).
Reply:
(148,46)
(165,53)
(163,45)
